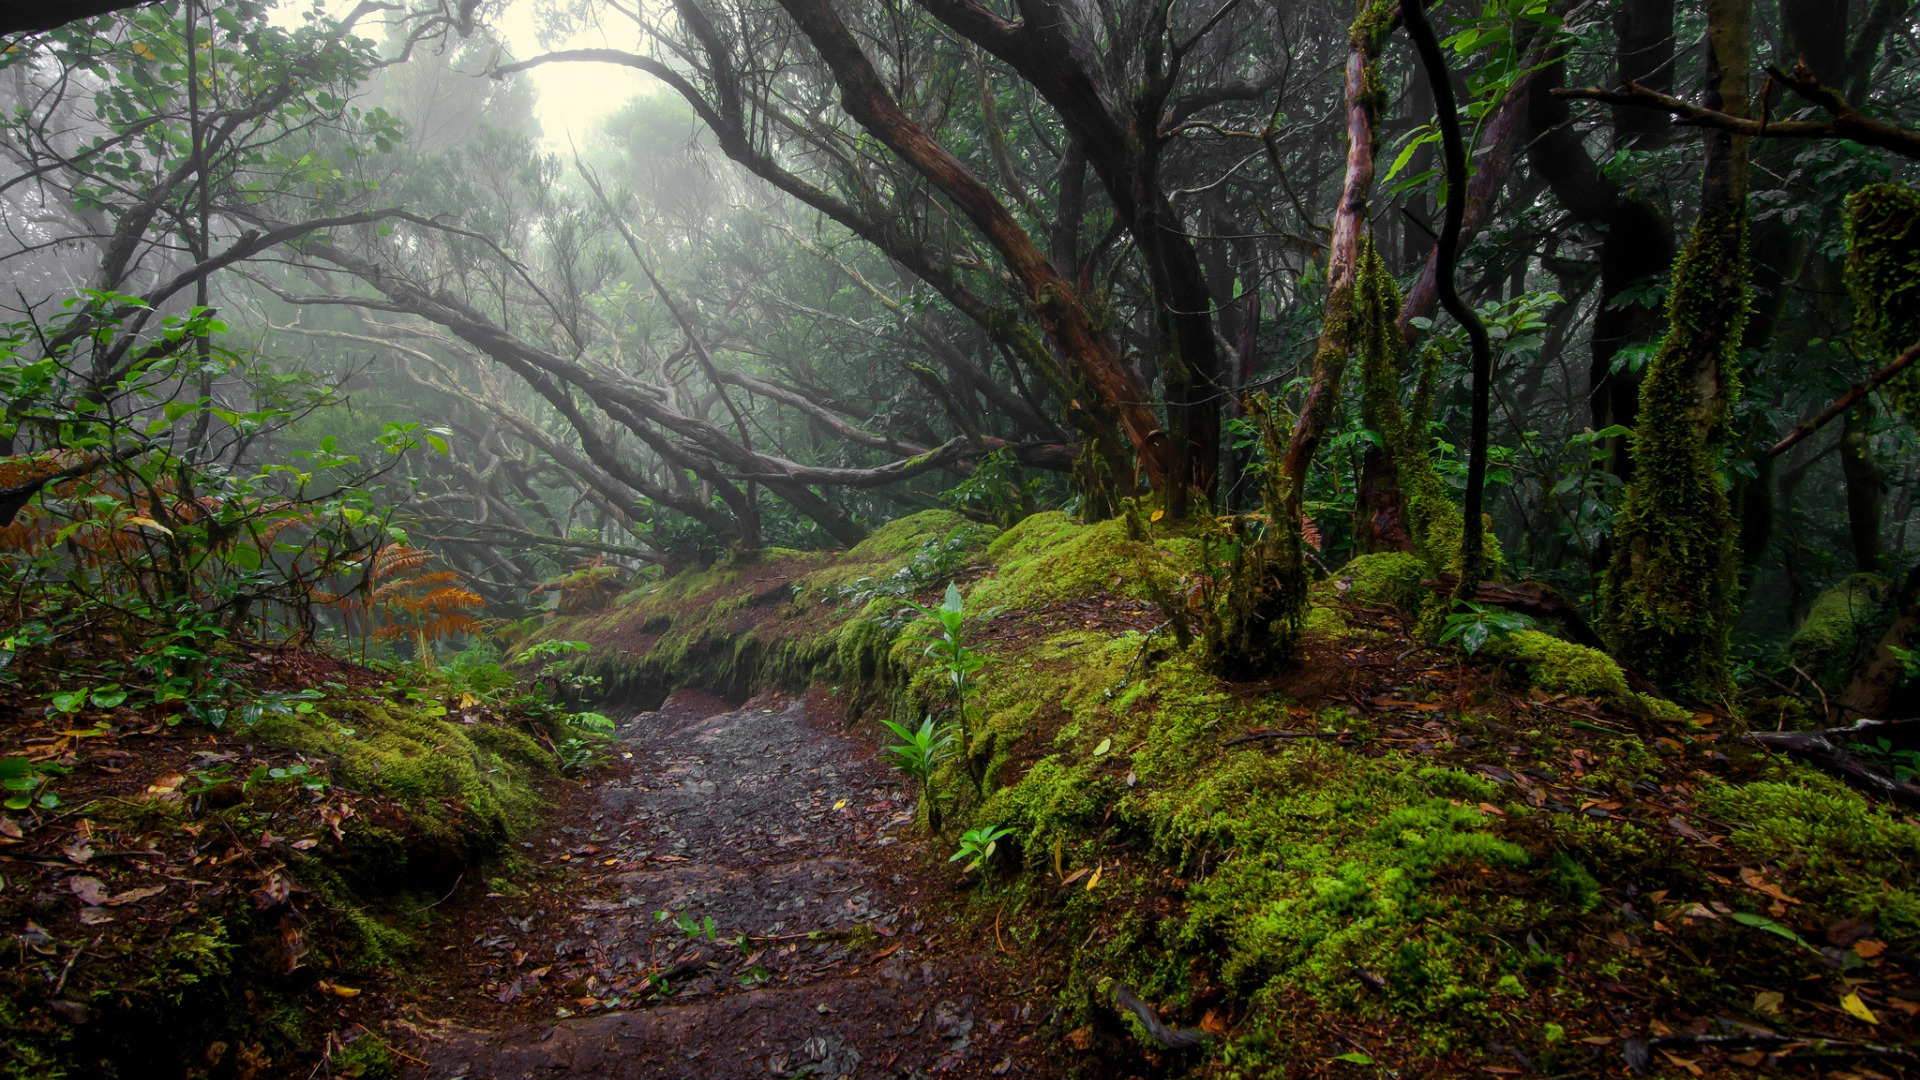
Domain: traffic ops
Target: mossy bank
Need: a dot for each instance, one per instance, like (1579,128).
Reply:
(219,894)
(1389,851)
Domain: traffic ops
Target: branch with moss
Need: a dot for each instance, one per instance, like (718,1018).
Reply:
(1846,401)
(1847,122)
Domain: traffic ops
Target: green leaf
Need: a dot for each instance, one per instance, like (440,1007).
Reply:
(1354,1056)
(1101,750)
(1761,922)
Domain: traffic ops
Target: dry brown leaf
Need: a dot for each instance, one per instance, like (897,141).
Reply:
(91,890)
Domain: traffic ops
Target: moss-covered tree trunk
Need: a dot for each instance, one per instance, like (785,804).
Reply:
(1364,98)
(1667,599)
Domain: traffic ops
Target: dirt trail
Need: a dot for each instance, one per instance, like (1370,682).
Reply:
(774,824)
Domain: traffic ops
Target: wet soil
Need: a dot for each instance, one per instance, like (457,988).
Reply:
(743,894)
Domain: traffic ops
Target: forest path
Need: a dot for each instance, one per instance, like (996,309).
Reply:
(774,824)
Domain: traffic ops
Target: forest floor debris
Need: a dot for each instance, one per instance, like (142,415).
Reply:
(736,898)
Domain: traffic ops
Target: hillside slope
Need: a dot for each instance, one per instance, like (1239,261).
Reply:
(1390,855)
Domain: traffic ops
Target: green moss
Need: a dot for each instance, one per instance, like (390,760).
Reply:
(1666,602)
(1389,577)
(364,1058)
(1049,557)
(1327,860)
(1831,844)
(1561,667)
(1844,623)
(467,786)
(1883,271)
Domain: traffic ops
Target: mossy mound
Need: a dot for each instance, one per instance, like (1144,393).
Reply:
(1560,667)
(782,618)
(1049,557)
(1854,857)
(1390,577)
(464,785)
(1841,628)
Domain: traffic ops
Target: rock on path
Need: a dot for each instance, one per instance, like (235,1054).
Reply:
(799,848)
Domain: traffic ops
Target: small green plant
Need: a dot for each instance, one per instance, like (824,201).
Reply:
(938,557)
(556,670)
(1904,763)
(922,752)
(997,490)
(28,784)
(979,843)
(689,926)
(579,751)
(1481,623)
(100,697)
(950,652)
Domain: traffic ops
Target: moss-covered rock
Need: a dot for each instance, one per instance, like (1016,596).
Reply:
(1389,577)
(1842,627)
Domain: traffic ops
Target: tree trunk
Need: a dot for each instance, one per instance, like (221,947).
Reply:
(1343,259)
(865,96)
(1667,600)
(1866,487)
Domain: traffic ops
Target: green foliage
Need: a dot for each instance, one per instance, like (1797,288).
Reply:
(996,490)
(979,844)
(29,784)
(959,663)
(918,755)
(1476,624)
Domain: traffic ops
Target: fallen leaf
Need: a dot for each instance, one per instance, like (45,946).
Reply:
(166,785)
(1101,750)
(1076,875)
(134,896)
(1751,1059)
(841,805)
(94,917)
(1691,1065)
(78,852)
(1868,948)
(1767,1002)
(1080,1038)
(10,828)
(1847,931)
(1597,1040)
(305,845)
(1354,1056)
(91,891)
(1858,1009)
(1756,880)
(336,989)
(1492,809)
(1095,879)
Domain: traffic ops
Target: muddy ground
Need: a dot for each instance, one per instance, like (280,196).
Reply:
(743,894)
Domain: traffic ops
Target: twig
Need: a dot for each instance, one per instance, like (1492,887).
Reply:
(61,984)
(444,899)
(384,1045)
(1167,1038)
(1271,733)
(1826,710)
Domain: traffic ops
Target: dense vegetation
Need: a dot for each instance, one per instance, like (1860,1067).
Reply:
(1530,353)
